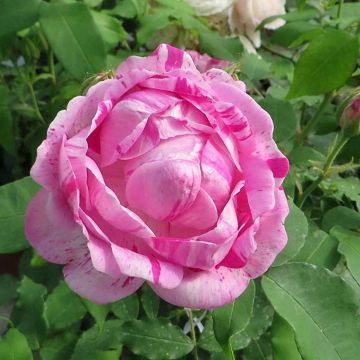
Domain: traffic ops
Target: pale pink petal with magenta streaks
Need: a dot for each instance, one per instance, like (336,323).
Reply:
(97,286)
(206,289)
(148,267)
(270,238)
(50,227)
(68,122)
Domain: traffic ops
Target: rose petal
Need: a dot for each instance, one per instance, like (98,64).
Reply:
(270,238)
(50,227)
(149,268)
(96,286)
(164,189)
(259,120)
(102,257)
(201,215)
(202,251)
(215,77)
(242,248)
(78,115)
(187,147)
(107,205)
(218,172)
(127,121)
(206,289)
(259,184)
(165,58)
(204,62)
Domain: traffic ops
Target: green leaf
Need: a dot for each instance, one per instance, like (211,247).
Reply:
(150,302)
(281,68)
(7,139)
(100,345)
(152,23)
(349,187)
(127,308)
(93,3)
(255,68)
(290,32)
(220,47)
(207,340)
(349,246)
(307,36)
(304,155)
(14,346)
(283,116)
(129,8)
(349,14)
(14,197)
(178,5)
(233,318)
(217,356)
(320,249)
(322,309)
(98,355)
(290,182)
(343,216)
(260,321)
(98,311)
(78,46)
(110,29)
(63,308)
(28,312)
(334,49)
(124,9)
(155,339)
(296,226)
(59,347)
(25,13)
(8,286)
(283,340)
(47,274)
(258,349)
(300,15)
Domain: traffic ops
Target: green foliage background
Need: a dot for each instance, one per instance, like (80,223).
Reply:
(307,306)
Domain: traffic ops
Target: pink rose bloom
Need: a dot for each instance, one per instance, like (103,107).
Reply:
(165,175)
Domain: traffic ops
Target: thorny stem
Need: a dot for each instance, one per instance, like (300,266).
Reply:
(311,124)
(193,335)
(329,161)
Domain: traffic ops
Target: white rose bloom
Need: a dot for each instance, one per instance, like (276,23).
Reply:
(209,7)
(246,15)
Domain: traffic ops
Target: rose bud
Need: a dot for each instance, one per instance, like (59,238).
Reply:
(163,174)
(350,115)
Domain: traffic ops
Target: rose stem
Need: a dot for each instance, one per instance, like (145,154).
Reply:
(329,161)
(311,124)
(193,335)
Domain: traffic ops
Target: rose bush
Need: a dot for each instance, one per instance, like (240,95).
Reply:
(163,174)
